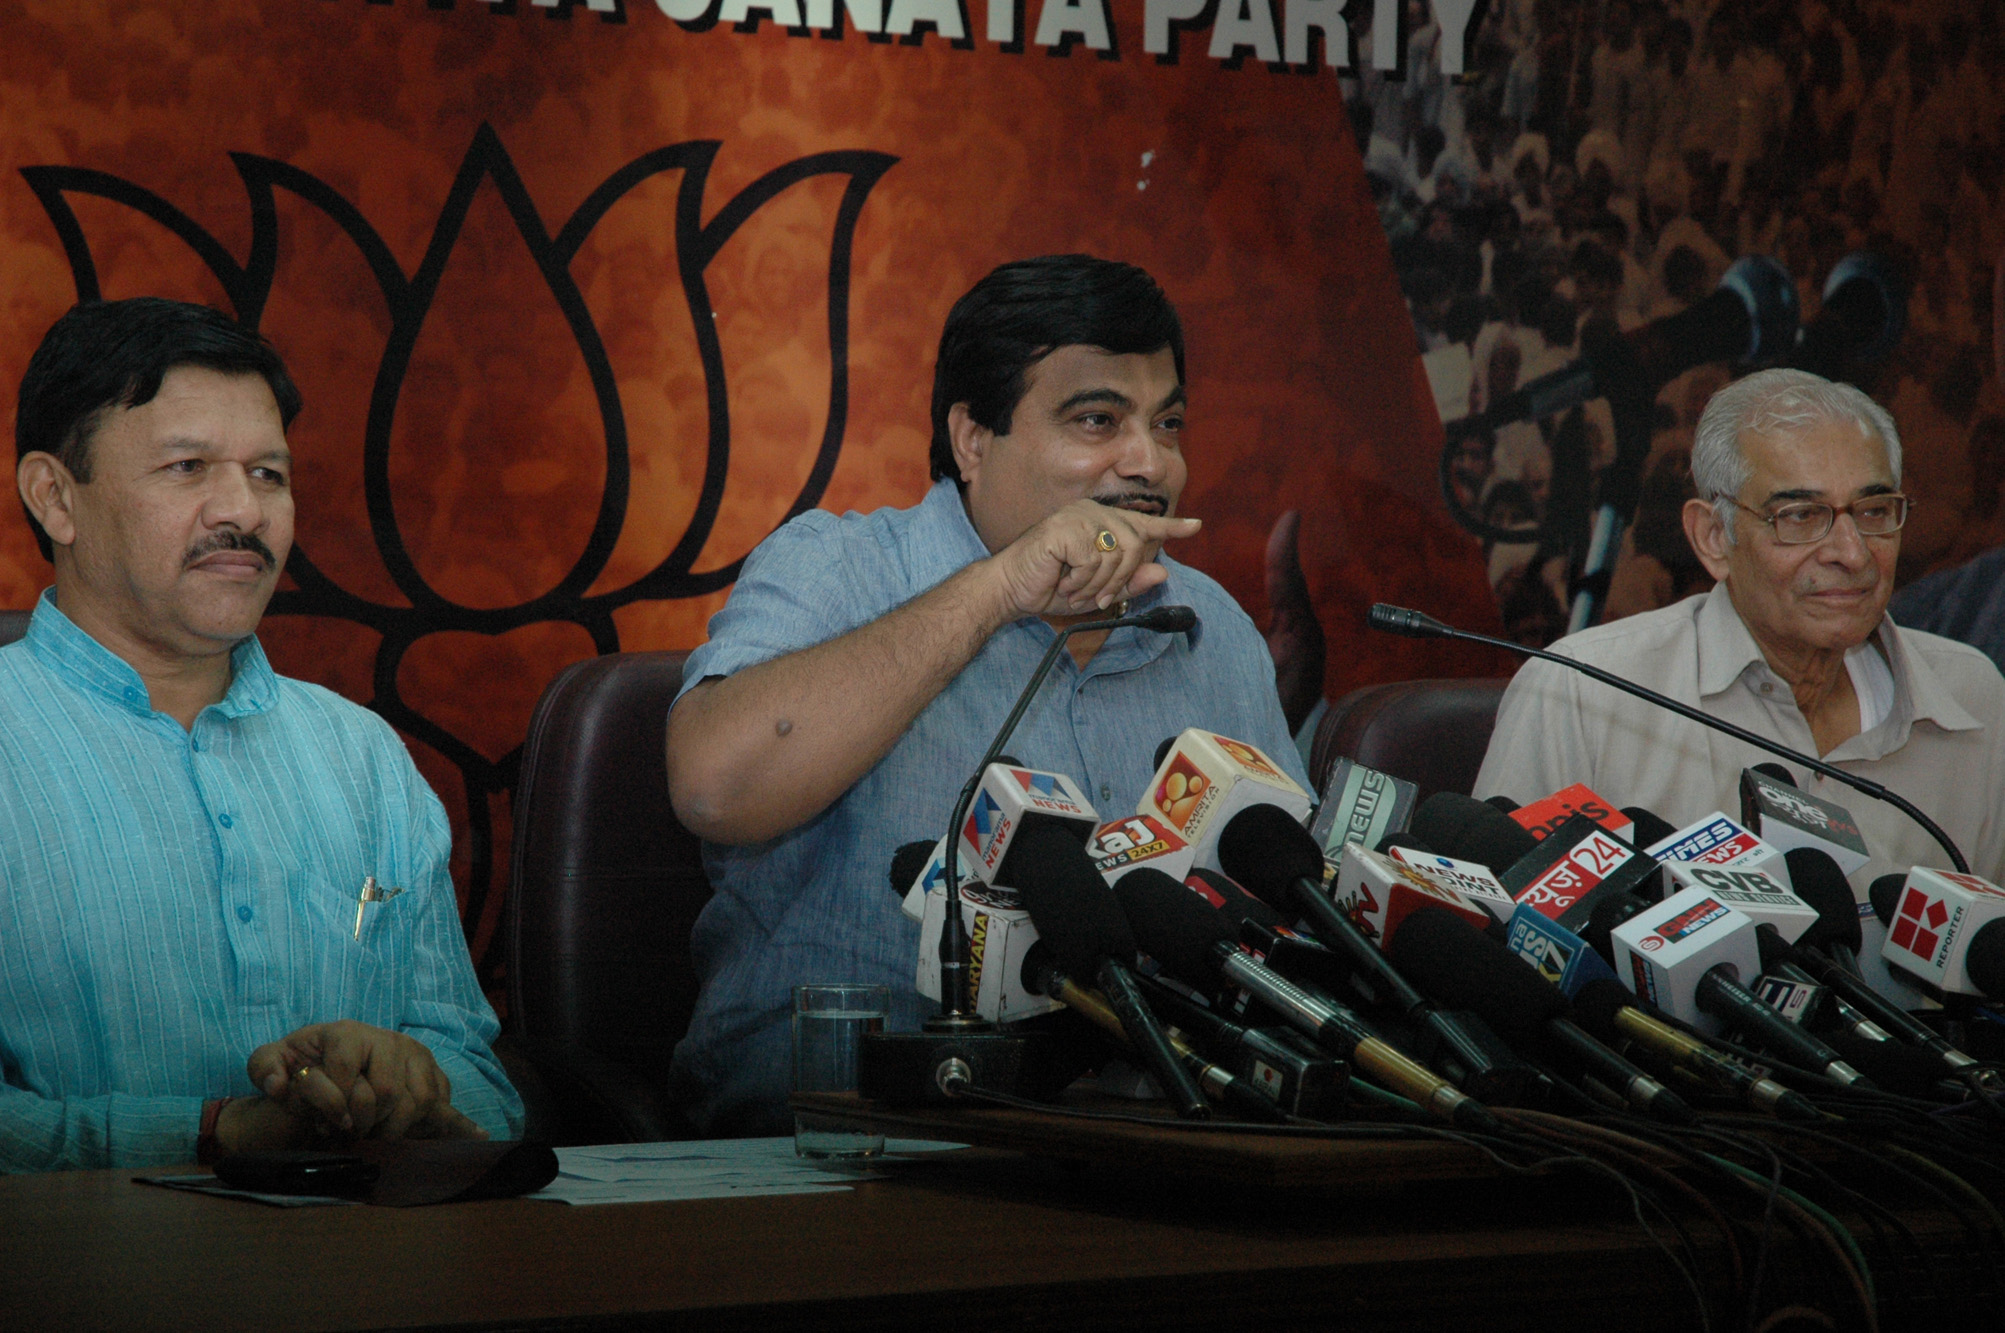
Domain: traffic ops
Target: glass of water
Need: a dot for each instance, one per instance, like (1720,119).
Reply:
(829,1023)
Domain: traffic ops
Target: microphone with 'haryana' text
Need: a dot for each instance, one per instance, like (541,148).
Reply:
(1197,945)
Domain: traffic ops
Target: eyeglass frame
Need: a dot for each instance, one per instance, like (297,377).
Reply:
(1907,504)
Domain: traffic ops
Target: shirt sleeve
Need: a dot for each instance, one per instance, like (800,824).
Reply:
(446,1010)
(81,1133)
(805,584)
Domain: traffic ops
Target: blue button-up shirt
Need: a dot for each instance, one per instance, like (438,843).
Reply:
(816,904)
(172,899)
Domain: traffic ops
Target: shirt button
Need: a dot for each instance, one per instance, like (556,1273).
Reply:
(1106,792)
(244,914)
(225,821)
(195,745)
(1768,689)
(131,695)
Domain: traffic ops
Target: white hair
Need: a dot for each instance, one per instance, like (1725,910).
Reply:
(1764,403)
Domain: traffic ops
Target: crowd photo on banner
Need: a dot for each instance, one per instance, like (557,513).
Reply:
(1601,168)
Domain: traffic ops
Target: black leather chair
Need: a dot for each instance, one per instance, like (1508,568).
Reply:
(13,624)
(1431,732)
(606,886)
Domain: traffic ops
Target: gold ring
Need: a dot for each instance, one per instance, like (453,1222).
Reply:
(1106,540)
(299,1075)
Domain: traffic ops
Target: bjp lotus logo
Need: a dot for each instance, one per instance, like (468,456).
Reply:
(518,432)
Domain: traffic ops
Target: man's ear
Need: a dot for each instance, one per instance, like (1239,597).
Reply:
(970,440)
(49,492)
(1708,536)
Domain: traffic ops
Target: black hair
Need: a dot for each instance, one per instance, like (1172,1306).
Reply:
(1021,313)
(106,354)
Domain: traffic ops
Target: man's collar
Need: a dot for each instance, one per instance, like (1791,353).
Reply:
(1727,648)
(59,644)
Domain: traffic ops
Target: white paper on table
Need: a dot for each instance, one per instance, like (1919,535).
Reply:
(704,1169)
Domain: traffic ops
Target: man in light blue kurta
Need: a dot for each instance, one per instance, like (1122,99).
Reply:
(183,833)
(863,662)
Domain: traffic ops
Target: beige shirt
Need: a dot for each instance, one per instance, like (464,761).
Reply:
(1942,744)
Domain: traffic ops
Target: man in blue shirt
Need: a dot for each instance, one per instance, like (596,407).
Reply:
(863,663)
(188,962)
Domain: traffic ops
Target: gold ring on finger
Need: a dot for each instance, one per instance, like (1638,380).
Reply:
(1106,540)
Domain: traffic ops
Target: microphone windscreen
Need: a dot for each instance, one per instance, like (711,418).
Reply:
(1072,907)
(1167,619)
(1266,850)
(1036,973)
(1885,895)
(1162,752)
(1405,841)
(1911,1071)
(1596,1004)
(1235,901)
(1984,961)
(1501,802)
(1650,828)
(1771,769)
(1400,620)
(906,863)
(1173,925)
(1816,879)
(1461,968)
(1608,914)
(1470,830)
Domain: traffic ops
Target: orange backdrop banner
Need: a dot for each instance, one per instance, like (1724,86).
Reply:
(585,301)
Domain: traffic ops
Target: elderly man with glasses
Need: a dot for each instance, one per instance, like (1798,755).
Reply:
(1798,517)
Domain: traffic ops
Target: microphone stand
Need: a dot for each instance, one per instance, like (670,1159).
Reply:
(957,1048)
(1418,625)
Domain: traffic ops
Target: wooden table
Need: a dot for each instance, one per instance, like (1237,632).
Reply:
(986,1240)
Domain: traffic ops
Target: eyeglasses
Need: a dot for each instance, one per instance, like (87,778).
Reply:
(1806,521)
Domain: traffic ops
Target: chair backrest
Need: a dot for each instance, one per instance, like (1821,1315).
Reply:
(1431,732)
(13,625)
(607,882)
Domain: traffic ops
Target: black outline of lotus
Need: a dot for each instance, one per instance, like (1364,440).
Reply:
(409,298)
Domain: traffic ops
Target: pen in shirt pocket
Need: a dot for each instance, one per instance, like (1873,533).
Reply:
(372,892)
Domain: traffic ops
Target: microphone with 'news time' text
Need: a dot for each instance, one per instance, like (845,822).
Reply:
(1194,943)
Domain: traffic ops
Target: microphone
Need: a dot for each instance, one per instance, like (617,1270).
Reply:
(1947,929)
(1399,620)
(1787,817)
(1613,1014)
(1466,969)
(1472,830)
(1360,805)
(1139,840)
(1754,893)
(1297,1077)
(1203,779)
(1236,903)
(956,1047)
(1276,859)
(1041,975)
(955,1000)
(1194,943)
(1688,953)
(1543,817)
(1650,828)
(1077,916)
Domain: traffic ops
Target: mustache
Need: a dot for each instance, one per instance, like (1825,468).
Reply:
(1159,504)
(229,539)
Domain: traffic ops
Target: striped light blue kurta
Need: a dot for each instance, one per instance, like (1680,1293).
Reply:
(170,900)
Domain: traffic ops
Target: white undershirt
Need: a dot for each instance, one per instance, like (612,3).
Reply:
(1873,682)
